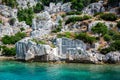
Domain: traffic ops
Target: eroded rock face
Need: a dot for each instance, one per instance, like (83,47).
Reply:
(54,8)
(94,8)
(65,49)
(26,49)
(42,24)
(90,58)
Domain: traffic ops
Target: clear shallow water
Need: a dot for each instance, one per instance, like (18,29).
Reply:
(11,70)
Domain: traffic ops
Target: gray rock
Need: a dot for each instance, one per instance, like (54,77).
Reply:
(42,24)
(26,3)
(94,8)
(66,7)
(26,49)
(8,30)
(8,11)
(113,57)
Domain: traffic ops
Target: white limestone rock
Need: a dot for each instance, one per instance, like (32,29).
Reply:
(113,57)
(26,49)
(8,30)
(94,8)
(21,25)
(25,3)
(42,24)
(8,11)
(54,8)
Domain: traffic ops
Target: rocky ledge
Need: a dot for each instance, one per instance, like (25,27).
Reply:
(27,50)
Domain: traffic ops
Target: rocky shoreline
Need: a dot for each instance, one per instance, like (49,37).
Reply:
(7,58)
(33,31)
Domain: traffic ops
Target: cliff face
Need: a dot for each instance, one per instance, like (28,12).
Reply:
(42,24)
(26,49)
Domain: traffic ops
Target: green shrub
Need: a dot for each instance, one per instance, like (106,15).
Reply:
(109,16)
(22,29)
(11,3)
(12,21)
(115,46)
(118,24)
(74,13)
(98,13)
(116,37)
(100,28)
(39,41)
(39,7)
(105,50)
(0,21)
(86,38)
(59,27)
(8,51)
(107,37)
(26,15)
(13,39)
(77,18)
(67,35)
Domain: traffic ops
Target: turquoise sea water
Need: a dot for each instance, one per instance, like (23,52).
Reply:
(12,70)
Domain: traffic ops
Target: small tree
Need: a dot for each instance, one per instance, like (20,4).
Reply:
(118,24)
(109,16)
(12,21)
(86,38)
(100,28)
(39,7)
(107,37)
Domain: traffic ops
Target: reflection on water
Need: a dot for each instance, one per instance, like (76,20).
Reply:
(11,70)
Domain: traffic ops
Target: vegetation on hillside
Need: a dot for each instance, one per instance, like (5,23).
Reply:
(77,18)
(26,15)
(100,28)
(8,51)
(11,3)
(109,16)
(76,4)
(13,39)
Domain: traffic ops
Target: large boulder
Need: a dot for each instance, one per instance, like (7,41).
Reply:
(94,8)
(26,49)
(113,57)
